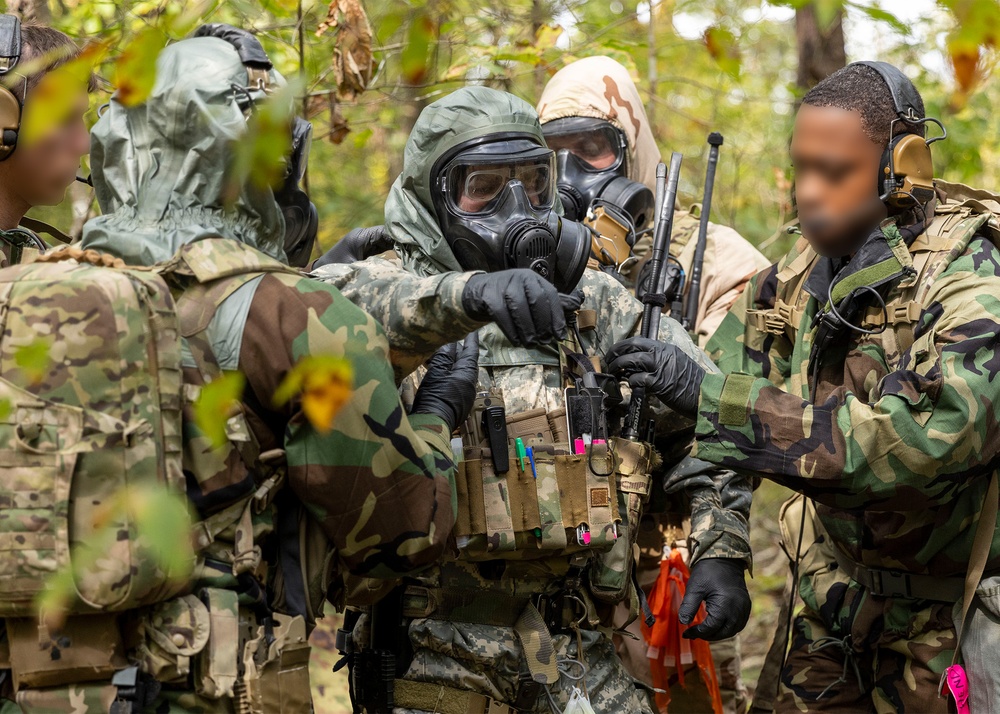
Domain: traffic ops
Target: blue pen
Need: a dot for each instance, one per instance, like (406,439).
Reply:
(531,459)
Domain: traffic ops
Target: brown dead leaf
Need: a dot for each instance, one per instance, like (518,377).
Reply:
(339,128)
(352,51)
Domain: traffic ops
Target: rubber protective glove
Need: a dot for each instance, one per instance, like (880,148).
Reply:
(663,369)
(720,584)
(449,387)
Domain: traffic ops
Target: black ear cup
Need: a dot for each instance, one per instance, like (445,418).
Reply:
(10,105)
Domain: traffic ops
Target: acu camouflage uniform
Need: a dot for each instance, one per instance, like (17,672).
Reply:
(373,496)
(475,647)
(893,435)
(601,88)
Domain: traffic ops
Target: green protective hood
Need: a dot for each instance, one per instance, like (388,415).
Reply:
(464,115)
(160,168)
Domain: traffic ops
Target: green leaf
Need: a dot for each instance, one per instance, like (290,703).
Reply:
(415,56)
(34,359)
(827,11)
(879,15)
(135,70)
(163,522)
(216,403)
(721,44)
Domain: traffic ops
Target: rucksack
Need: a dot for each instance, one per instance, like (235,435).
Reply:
(102,414)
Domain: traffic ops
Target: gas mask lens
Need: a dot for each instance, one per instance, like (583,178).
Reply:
(598,144)
(473,185)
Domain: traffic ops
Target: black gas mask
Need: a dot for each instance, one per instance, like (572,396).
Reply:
(494,201)
(592,166)
(301,217)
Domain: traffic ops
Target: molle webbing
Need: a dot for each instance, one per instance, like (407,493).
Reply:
(526,515)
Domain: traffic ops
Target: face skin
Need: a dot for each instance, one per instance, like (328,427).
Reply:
(39,173)
(835,166)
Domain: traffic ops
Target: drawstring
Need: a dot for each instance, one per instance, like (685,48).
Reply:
(844,644)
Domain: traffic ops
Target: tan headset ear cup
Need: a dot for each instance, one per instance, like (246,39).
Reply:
(911,160)
(10,121)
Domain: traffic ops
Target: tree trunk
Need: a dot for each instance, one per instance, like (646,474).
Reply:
(821,49)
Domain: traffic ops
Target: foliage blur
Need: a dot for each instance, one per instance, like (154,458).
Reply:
(723,65)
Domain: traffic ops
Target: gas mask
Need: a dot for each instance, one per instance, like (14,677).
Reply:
(494,202)
(592,166)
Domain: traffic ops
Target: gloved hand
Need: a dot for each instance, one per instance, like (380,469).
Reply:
(358,244)
(663,369)
(526,307)
(448,390)
(719,582)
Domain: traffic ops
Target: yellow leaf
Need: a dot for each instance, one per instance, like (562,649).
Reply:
(325,384)
(547,35)
(58,93)
(216,403)
(135,70)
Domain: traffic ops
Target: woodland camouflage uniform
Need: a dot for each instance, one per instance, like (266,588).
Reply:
(601,88)
(895,441)
(470,653)
(373,496)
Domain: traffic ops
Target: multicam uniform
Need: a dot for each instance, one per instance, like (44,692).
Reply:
(374,495)
(893,436)
(601,88)
(474,620)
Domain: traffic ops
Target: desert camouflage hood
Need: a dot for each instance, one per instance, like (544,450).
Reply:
(159,168)
(601,88)
(464,115)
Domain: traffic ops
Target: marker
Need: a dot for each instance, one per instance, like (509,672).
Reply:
(519,449)
(531,458)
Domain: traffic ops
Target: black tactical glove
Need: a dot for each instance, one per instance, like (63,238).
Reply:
(663,369)
(449,387)
(526,307)
(719,582)
(357,245)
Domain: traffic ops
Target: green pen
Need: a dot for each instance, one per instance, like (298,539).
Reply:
(521,453)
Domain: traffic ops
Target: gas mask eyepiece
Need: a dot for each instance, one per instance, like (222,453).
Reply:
(494,203)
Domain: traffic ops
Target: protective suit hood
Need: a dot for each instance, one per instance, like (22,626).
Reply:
(462,116)
(601,88)
(160,168)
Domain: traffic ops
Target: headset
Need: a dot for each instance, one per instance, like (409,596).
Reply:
(10,105)
(301,216)
(906,172)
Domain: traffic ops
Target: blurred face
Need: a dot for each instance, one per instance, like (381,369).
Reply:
(39,172)
(836,166)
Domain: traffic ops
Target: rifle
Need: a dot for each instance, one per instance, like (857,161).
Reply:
(694,292)
(655,299)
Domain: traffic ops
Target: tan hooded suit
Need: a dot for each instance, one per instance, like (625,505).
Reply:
(601,88)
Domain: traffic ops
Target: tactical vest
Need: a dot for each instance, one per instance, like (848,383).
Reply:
(107,417)
(965,214)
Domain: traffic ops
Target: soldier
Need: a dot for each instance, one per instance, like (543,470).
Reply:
(861,372)
(516,625)
(594,120)
(37,172)
(282,506)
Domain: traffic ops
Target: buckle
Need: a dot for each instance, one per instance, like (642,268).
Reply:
(891,583)
(910,312)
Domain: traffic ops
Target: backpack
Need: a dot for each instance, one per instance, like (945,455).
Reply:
(104,414)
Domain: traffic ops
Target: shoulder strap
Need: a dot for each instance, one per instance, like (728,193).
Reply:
(981,545)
